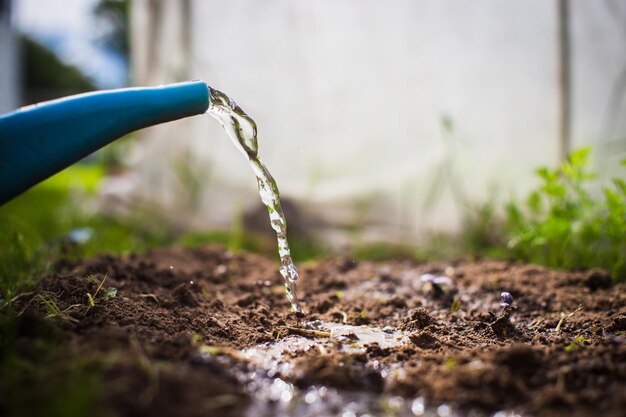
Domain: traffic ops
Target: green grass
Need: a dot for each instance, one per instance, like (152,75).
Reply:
(35,376)
(35,227)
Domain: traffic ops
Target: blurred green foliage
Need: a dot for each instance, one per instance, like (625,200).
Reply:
(116,16)
(562,225)
(46,77)
(37,378)
(34,234)
(37,227)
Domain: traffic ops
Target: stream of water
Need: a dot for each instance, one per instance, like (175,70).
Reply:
(241,129)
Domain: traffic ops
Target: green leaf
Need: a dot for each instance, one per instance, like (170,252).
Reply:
(90,300)
(109,293)
(545,173)
(620,184)
(580,157)
(613,199)
(449,363)
(534,202)
(577,343)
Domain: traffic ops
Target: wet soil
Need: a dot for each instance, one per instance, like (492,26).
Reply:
(175,337)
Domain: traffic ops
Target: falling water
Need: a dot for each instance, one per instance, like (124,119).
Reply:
(242,131)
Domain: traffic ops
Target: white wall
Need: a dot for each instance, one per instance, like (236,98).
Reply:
(349,96)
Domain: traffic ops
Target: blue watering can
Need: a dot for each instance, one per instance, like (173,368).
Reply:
(40,140)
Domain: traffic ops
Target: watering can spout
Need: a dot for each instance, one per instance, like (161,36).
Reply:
(40,140)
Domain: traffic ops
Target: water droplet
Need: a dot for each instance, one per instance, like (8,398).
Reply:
(286,396)
(81,235)
(418,407)
(443,410)
(310,398)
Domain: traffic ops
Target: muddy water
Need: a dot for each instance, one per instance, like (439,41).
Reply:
(353,339)
(267,377)
(241,129)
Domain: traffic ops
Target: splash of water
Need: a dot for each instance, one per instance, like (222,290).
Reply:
(241,129)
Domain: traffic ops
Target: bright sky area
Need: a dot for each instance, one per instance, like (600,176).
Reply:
(69,28)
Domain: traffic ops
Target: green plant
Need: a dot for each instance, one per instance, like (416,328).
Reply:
(107,293)
(576,344)
(564,226)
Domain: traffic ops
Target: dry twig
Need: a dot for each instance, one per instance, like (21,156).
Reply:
(565,317)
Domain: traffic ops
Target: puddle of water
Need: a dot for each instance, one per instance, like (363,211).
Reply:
(269,368)
(271,356)
(360,336)
(319,401)
(354,339)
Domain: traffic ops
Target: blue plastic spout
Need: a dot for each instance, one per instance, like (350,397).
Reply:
(40,140)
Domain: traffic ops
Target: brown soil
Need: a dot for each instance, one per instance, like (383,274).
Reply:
(169,302)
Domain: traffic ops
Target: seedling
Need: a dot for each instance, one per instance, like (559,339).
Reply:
(195,339)
(577,343)
(53,310)
(503,327)
(449,363)
(277,335)
(110,292)
(507,300)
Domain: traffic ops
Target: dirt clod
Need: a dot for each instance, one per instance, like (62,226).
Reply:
(419,319)
(424,340)
(598,279)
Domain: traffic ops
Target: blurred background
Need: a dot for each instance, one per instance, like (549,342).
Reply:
(399,121)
